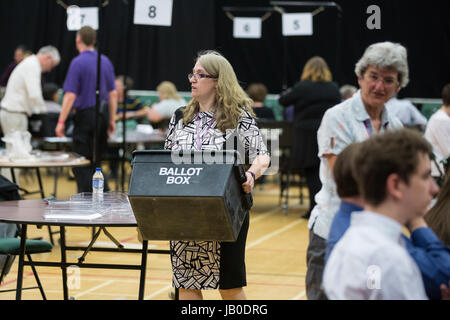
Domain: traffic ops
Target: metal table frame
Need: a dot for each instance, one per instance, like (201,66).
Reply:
(64,264)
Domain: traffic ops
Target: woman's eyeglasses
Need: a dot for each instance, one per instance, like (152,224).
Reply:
(198,76)
(387,82)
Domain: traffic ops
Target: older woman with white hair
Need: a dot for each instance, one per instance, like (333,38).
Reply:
(218,111)
(382,72)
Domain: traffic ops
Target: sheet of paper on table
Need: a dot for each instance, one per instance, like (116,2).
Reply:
(72,214)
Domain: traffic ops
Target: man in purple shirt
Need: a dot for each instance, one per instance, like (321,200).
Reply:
(80,97)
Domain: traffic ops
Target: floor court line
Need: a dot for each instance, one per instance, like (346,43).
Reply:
(92,278)
(153,282)
(104,284)
(158,292)
(274,233)
(265,215)
(299,296)
(117,295)
(99,276)
(25,276)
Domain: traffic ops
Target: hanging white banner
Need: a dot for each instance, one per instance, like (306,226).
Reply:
(153,12)
(297,24)
(249,28)
(79,17)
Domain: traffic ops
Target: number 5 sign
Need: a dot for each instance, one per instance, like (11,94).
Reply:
(297,24)
(153,12)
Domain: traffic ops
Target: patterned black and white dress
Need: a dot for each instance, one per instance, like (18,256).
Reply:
(206,265)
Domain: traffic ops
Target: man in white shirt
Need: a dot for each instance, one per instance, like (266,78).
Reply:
(24,92)
(438,133)
(371,261)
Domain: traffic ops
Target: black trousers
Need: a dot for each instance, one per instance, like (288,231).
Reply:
(83,144)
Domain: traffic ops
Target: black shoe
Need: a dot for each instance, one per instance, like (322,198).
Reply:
(306,215)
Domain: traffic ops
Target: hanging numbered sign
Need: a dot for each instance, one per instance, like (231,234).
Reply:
(297,24)
(73,18)
(79,17)
(247,28)
(153,12)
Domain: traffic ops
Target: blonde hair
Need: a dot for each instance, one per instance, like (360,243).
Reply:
(230,98)
(316,70)
(167,90)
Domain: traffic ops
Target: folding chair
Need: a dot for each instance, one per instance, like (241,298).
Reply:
(11,248)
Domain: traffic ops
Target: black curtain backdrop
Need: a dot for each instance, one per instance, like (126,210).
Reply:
(153,54)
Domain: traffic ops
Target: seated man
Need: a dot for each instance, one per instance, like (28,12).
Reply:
(431,255)
(258,92)
(134,109)
(371,260)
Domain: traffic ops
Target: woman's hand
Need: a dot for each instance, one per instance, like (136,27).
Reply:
(248,185)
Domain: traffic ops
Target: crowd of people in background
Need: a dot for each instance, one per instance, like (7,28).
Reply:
(373,163)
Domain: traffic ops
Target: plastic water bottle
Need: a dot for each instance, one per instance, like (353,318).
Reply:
(98,182)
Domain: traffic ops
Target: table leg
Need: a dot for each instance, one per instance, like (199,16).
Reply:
(62,232)
(23,237)
(13,176)
(41,188)
(143,269)
(55,182)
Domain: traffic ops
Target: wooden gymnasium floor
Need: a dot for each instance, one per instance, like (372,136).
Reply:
(275,255)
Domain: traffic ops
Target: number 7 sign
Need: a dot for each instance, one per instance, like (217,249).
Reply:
(153,12)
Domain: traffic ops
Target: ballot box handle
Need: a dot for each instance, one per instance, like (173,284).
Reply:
(248,198)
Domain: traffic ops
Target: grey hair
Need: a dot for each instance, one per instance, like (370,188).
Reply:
(347,91)
(52,52)
(385,55)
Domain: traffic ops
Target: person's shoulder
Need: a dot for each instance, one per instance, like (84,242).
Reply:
(246,115)
(350,242)
(384,250)
(79,57)
(77,61)
(340,109)
(28,62)
(105,58)
(178,114)
(440,116)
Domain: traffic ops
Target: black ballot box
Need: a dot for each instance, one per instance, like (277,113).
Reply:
(188,195)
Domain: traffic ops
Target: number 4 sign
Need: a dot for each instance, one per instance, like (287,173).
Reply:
(297,24)
(153,12)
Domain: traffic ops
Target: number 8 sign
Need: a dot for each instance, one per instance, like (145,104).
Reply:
(153,12)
